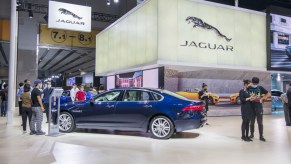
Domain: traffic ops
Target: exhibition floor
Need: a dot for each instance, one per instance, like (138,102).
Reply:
(215,144)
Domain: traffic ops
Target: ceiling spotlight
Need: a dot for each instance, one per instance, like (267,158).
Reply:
(30,13)
(46,18)
(116,1)
(108,2)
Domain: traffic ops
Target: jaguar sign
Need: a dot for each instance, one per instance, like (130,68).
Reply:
(69,16)
(199,23)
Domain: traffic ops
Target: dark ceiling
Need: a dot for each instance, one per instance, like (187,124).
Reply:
(65,61)
(259,5)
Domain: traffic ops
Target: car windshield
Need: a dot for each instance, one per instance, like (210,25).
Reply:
(174,94)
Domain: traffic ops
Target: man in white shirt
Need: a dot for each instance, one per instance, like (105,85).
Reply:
(73,92)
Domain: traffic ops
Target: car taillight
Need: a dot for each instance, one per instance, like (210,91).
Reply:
(194,108)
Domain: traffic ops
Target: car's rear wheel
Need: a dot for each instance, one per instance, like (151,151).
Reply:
(67,122)
(161,127)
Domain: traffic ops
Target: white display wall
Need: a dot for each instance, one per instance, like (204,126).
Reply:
(157,33)
(130,41)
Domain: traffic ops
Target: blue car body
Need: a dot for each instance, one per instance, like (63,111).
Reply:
(122,114)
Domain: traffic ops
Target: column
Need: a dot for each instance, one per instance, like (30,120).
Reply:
(12,63)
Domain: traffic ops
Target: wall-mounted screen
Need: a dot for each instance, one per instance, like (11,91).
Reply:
(151,78)
(110,82)
(71,81)
(133,79)
(280,40)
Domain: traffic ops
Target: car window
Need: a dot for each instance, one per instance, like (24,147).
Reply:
(110,96)
(137,96)
(157,96)
(66,94)
(174,95)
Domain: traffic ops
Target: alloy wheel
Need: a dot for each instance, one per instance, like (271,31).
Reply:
(65,122)
(161,127)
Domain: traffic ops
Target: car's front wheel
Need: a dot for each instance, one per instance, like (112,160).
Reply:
(161,127)
(67,122)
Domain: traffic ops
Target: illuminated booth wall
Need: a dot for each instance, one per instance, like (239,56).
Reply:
(158,32)
(131,41)
(187,35)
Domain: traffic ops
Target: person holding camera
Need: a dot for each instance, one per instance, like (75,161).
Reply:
(204,96)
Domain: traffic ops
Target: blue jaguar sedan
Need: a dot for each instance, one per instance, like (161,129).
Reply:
(160,112)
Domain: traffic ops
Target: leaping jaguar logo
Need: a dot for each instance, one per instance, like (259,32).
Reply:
(67,12)
(200,23)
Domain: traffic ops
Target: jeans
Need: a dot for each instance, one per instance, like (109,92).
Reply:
(4,105)
(46,108)
(258,114)
(36,119)
(245,127)
(286,113)
(20,107)
(26,113)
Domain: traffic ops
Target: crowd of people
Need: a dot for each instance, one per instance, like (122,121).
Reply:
(252,97)
(34,101)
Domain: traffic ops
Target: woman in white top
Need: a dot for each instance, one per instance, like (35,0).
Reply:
(73,92)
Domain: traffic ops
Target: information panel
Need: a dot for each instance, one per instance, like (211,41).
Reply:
(59,37)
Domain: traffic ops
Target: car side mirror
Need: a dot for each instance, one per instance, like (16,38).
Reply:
(92,101)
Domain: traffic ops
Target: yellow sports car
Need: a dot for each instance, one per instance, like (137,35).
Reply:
(213,98)
(234,98)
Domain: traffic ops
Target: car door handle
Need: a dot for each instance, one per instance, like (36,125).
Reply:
(148,106)
(110,106)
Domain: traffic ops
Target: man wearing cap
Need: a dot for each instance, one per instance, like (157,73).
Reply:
(37,109)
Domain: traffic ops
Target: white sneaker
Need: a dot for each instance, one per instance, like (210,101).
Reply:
(24,132)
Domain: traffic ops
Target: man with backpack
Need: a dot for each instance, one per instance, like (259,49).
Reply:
(4,99)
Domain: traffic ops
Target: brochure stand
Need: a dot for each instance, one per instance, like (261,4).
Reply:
(54,122)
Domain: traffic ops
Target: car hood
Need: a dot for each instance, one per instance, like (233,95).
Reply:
(234,95)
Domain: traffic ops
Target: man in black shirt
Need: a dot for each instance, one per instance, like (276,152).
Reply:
(4,99)
(260,94)
(37,109)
